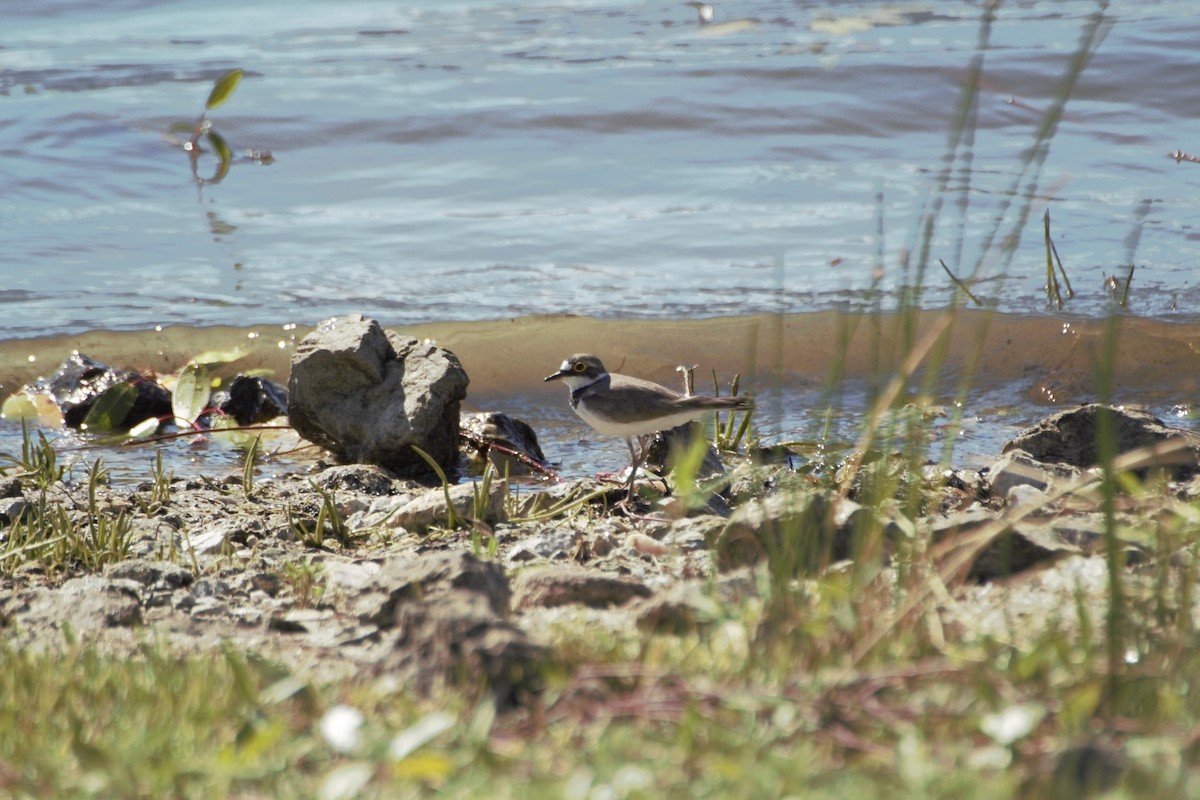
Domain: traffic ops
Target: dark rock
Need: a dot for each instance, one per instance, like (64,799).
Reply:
(365,478)
(666,446)
(252,400)
(1072,437)
(151,573)
(286,624)
(269,583)
(1017,549)
(81,380)
(1013,549)
(369,396)
(509,444)
(11,509)
(562,585)
(10,486)
(210,587)
(679,611)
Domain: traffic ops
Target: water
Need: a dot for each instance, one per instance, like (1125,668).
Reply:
(473,161)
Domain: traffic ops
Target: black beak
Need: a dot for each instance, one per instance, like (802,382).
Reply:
(555,376)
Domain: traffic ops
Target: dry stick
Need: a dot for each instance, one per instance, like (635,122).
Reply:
(481,443)
(958,282)
(1052,292)
(1125,294)
(958,555)
(1066,280)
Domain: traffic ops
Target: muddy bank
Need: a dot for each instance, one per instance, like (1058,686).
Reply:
(348,570)
(1052,359)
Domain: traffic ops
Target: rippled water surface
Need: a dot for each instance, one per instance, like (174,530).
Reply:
(480,160)
(483,160)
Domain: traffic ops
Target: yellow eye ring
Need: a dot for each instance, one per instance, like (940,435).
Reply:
(579,366)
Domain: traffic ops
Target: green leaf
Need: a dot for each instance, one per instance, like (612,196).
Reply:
(226,432)
(223,88)
(191,393)
(111,408)
(18,406)
(147,427)
(223,153)
(210,358)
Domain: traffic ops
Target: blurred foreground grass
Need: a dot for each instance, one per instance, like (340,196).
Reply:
(758,702)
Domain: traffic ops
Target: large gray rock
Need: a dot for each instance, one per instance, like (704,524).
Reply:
(368,396)
(1072,437)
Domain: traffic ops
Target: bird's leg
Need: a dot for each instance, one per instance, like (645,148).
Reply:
(636,457)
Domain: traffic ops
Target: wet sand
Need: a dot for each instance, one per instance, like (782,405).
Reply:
(1045,360)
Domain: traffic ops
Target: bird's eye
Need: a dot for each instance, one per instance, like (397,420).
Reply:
(579,366)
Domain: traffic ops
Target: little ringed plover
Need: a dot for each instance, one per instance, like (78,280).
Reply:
(620,405)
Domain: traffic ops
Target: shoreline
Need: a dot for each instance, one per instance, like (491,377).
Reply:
(1052,356)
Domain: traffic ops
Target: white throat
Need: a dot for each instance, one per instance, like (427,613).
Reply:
(577,382)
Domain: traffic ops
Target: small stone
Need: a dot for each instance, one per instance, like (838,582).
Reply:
(551,544)
(209,607)
(428,508)
(562,585)
(210,587)
(365,478)
(149,572)
(213,539)
(1025,495)
(248,615)
(404,580)
(269,582)
(89,602)
(11,509)
(285,624)
(644,545)
(1018,468)
(690,534)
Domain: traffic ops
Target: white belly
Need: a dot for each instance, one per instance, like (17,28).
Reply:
(627,429)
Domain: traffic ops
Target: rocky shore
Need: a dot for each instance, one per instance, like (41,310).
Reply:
(360,569)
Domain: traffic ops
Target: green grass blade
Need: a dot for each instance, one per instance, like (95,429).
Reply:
(452,518)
